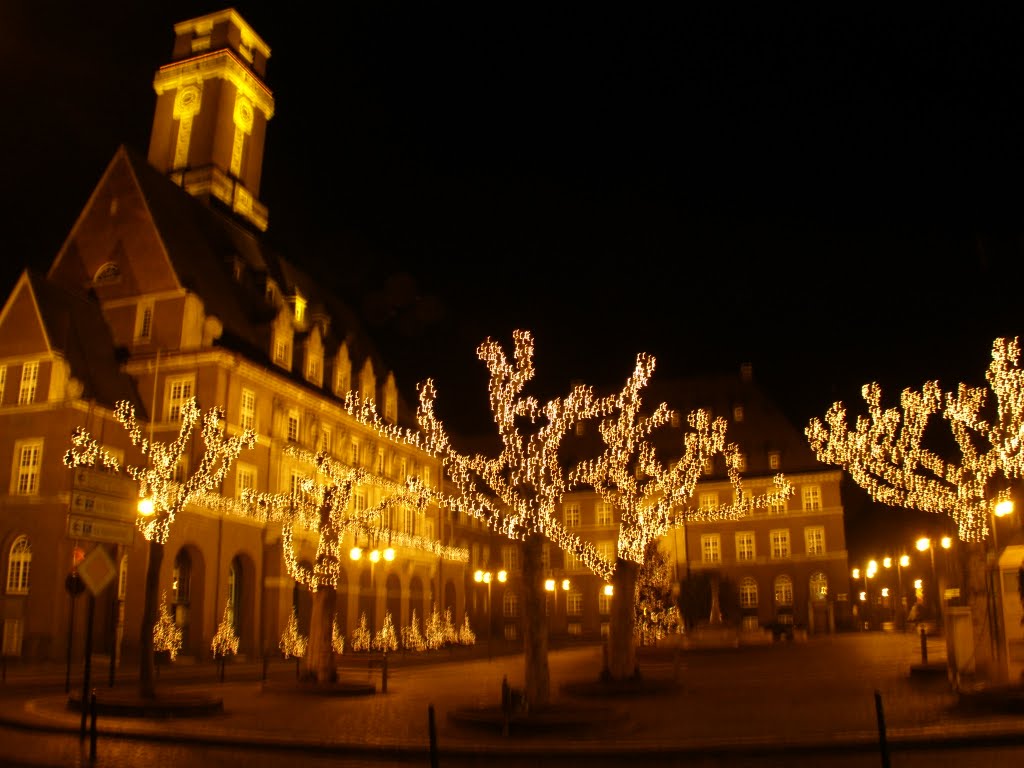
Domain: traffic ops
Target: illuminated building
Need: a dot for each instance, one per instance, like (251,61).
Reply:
(165,289)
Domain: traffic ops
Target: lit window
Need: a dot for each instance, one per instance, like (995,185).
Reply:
(19,562)
(745,546)
(295,483)
(778,507)
(711,548)
(675,419)
(300,309)
(707,500)
(314,372)
(510,557)
(737,413)
(246,478)
(604,513)
(581,428)
(604,602)
(607,550)
(819,586)
(247,419)
(748,593)
(28,457)
(709,467)
(812,498)
(570,561)
(741,462)
(510,604)
(780,543)
(572,515)
(325,439)
(178,392)
(29,379)
(144,321)
(359,500)
(381,462)
(282,350)
(353,452)
(814,537)
(783,590)
(750,624)
(574,603)
(774,460)
(293,425)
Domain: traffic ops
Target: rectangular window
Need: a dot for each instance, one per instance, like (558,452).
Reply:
(707,500)
(178,392)
(313,370)
(574,603)
(737,413)
(607,550)
(780,543)
(510,557)
(711,548)
(570,561)
(29,379)
(745,546)
(359,500)
(709,467)
(778,508)
(741,462)
(604,603)
(572,515)
(410,519)
(293,425)
(245,478)
(353,452)
(604,514)
(403,469)
(281,350)
(325,438)
(144,321)
(380,461)
(247,417)
(812,498)
(28,457)
(426,477)
(814,537)
(13,631)
(774,460)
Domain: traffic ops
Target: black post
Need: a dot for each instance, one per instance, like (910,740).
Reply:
(924,644)
(883,745)
(384,675)
(92,727)
(87,672)
(73,585)
(266,663)
(433,736)
(113,640)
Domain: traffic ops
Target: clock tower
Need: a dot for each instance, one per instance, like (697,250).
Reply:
(212,108)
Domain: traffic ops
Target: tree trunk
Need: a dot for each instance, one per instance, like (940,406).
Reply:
(150,611)
(318,663)
(622,624)
(535,624)
(978,593)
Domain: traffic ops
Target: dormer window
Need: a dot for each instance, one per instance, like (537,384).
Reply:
(281,343)
(281,351)
(391,400)
(108,273)
(314,373)
(300,309)
(737,413)
(342,372)
(774,460)
(368,382)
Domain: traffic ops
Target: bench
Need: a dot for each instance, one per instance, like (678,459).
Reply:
(369,661)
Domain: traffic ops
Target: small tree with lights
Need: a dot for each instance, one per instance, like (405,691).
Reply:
(167,636)
(361,638)
(890,454)
(386,640)
(161,496)
(412,638)
(225,642)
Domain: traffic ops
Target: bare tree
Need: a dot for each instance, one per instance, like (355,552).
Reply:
(651,495)
(322,506)
(161,496)
(890,453)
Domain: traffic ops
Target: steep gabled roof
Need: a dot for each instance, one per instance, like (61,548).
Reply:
(72,326)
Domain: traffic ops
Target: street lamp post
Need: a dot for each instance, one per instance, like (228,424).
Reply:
(550,586)
(901,562)
(375,555)
(486,577)
(868,573)
(925,543)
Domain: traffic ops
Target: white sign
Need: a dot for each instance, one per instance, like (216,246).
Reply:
(97,570)
(87,528)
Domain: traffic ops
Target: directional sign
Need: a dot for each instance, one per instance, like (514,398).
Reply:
(87,528)
(97,570)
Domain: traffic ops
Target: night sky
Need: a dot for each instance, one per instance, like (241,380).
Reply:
(835,197)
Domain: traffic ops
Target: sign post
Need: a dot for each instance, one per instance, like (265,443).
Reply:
(74,586)
(96,571)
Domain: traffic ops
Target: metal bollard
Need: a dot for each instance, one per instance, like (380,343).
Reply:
(384,675)
(92,726)
(924,644)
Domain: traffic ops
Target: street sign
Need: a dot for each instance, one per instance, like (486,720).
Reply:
(86,528)
(103,507)
(97,570)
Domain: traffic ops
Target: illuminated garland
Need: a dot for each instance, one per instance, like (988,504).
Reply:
(337,639)
(156,480)
(167,636)
(466,635)
(361,640)
(225,642)
(884,455)
(292,643)
(412,639)
(386,640)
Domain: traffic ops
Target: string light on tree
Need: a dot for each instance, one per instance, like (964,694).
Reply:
(167,636)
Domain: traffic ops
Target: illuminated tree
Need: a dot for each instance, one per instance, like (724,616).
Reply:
(361,639)
(412,638)
(322,504)
(293,644)
(466,635)
(167,635)
(337,639)
(655,611)
(161,496)
(894,455)
(225,642)
(386,640)
(652,494)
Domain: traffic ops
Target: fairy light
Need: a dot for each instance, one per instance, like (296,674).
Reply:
(156,480)
(292,643)
(466,636)
(167,636)
(386,640)
(884,454)
(361,639)
(412,638)
(225,642)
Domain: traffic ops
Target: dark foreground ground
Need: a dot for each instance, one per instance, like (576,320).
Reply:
(860,699)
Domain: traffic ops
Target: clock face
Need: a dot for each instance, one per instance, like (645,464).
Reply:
(244,114)
(188,97)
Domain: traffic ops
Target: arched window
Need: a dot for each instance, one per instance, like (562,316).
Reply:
(18,564)
(510,604)
(181,577)
(819,586)
(748,593)
(108,273)
(783,590)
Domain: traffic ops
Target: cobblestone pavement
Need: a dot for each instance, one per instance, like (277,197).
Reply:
(827,695)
